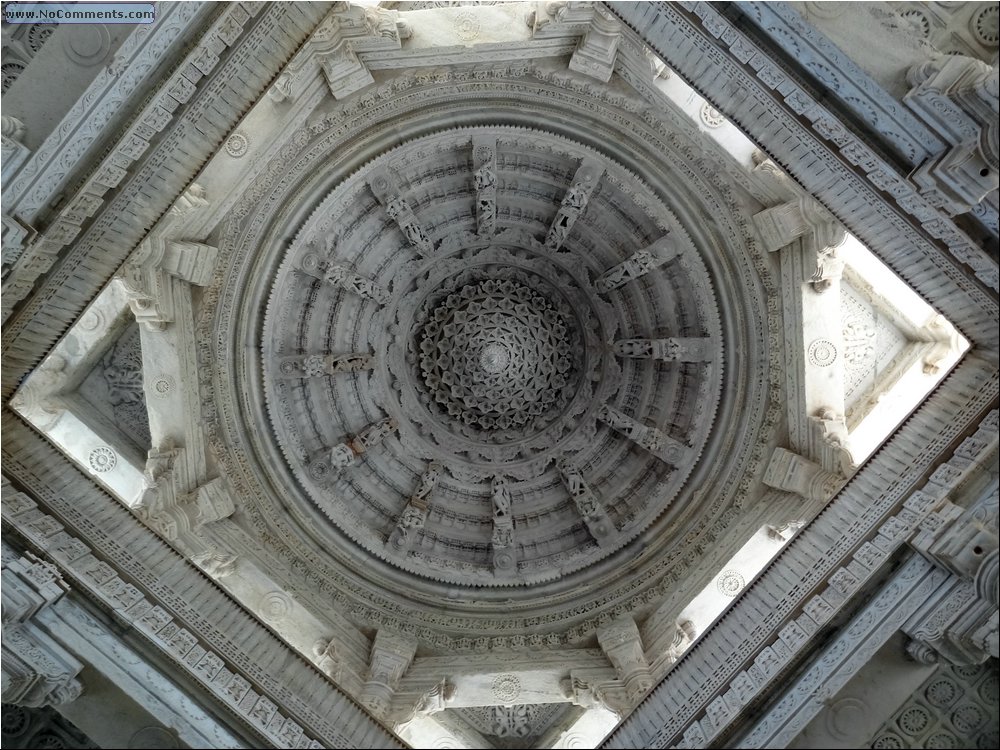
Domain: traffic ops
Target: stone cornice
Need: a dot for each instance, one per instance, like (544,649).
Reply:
(195,625)
(815,148)
(154,175)
(818,574)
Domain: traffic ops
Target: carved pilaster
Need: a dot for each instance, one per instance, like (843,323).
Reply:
(666,350)
(329,657)
(390,657)
(37,671)
(592,512)
(780,225)
(791,472)
(411,521)
(957,97)
(622,645)
(502,541)
(588,175)
(652,439)
(318,365)
(151,274)
(638,264)
(484,160)
(959,621)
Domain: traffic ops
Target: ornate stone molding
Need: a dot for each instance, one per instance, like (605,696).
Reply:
(235,672)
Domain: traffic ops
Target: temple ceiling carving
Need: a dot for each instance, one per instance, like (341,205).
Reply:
(486,316)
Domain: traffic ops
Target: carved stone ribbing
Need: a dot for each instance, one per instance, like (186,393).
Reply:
(502,541)
(318,365)
(412,519)
(484,160)
(652,439)
(638,264)
(592,512)
(667,350)
(588,175)
(346,279)
(328,463)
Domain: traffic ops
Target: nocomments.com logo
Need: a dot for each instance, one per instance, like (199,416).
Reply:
(79,13)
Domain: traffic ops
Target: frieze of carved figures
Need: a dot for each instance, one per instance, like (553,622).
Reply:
(635,266)
(317,365)
(667,350)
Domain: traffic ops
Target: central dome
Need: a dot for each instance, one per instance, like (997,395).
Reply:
(502,370)
(499,356)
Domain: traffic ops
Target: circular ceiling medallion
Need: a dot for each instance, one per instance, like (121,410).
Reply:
(510,308)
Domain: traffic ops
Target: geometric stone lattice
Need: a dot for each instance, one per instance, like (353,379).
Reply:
(957,706)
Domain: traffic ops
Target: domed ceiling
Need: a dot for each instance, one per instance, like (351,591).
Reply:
(483,365)
(479,401)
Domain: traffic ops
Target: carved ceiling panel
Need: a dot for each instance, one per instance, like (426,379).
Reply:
(494,362)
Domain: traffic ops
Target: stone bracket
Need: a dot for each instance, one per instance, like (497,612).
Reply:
(585,181)
(638,264)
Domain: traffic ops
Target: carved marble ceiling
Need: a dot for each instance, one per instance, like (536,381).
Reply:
(484,361)
(489,356)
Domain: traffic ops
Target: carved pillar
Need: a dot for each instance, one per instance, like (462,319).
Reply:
(484,161)
(318,365)
(655,441)
(957,97)
(622,645)
(588,174)
(37,671)
(791,472)
(592,512)
(502,541)
(400,212)
(638,264)
(411,521)
(666,350)
(390,657)
(959,621)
